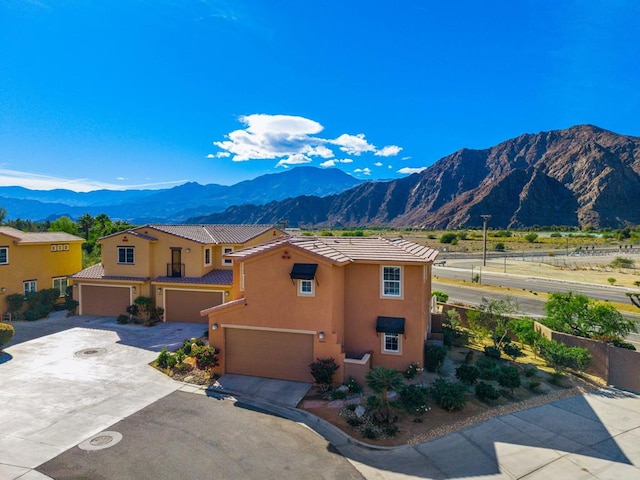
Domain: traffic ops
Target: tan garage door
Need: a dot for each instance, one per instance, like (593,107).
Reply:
(111,301)
(269,354)
(185,305)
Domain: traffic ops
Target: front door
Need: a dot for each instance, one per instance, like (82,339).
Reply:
(176,263)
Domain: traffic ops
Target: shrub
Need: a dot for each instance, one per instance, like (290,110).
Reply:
(162,359)
(413,399)
(509,377)
(383,380)
(611,280)
(499,247)
(533,384)
(492,352)
(15,302)
(530,371)
(6,334)
(448,237)
(621,262)
(560,356)
(448,395)
(531,237)
(354,386)
(336,394)
(434,356)
(486,363)
(622,344)
(512,350)
(122,319)
(322,371)
(440,296)
(485,391)
(206,356)
(411,371)
(467,374)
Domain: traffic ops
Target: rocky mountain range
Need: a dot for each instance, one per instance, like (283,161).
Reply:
(175,204)
(581,176)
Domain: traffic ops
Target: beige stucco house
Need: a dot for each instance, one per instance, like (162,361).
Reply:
(363,301)
(180,266)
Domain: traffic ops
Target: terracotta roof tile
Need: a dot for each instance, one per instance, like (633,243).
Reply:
(96,272)
(215,277)
(350,249)
(40,237)
(211,233)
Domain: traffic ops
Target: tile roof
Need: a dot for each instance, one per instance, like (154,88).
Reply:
(212,233)
(96,272)
(215,277)
(132,233)
(343,250)
(39,237)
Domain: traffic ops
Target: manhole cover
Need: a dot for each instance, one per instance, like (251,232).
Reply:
(101,440)
(90,352)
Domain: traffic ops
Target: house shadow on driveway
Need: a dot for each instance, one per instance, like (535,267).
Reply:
(594,435)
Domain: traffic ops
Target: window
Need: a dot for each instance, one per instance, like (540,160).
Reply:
(391,343)
(226,261)
(305,287)
(391,281)
(125,255)
(4,255)
(29,286)
(207,257)
(61,284)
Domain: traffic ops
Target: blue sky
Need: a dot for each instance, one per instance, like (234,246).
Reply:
(153,93)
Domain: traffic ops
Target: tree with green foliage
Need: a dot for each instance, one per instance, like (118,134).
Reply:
(63,224)
(560,356)
(578,315)
(494,317)
(322,371)
(414,400)
(3,214)
(531,237)
(448,237)
(382,380)
(85,222)
(440,296)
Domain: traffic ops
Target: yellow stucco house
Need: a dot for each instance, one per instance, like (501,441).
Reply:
(363,301)
(32,261)
(180,266)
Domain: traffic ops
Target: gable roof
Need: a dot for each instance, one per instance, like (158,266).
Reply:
(39,237)
(211,233)
(342,250)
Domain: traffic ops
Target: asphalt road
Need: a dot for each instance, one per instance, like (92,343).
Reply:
(188,436)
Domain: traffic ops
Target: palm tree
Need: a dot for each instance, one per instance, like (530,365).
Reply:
(85,222)
(381,380)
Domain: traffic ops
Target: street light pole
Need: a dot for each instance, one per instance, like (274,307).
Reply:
(485,220)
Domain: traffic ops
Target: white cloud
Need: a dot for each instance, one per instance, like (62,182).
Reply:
(34,181)
(346,160)
(364,171)
(389,166)
(409,170)
(211,155)
(219,155)
(353,144)
(318,151)
(406,158)
(328,164)
(388,151)
(297,159)
(378,164)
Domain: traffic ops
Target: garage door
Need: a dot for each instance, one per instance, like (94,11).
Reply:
(269,354)
(111,301)
(185,305)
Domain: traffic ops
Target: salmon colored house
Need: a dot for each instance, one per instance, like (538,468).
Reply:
(33,261)
(363,301)
(180,266)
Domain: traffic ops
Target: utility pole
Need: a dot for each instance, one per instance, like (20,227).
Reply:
(485,220)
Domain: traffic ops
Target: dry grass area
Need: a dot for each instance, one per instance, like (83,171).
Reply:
(439,422)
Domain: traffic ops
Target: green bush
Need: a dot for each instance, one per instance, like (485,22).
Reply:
(485,391)
(15,302)
(440,296)
(560,356)
(448,237)
(512,350)
(411,371)
(621,262)
(492,352)
(509,377)
(122,319)
(206,357)
(533,384)
(413,399)
(162,360)
(322,371)
(485,363)
(354,386)
(467,374)
(622,344)
(336,394)
(434,356)
(530,371)
(531,237)
(6,334)
(499,247)
(447,395)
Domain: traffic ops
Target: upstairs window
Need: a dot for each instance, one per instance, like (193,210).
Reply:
(126,255)
(207,257)
(227,261)
(391,281)
(4,255)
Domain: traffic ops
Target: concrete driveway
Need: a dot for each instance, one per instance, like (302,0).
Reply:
(280,392)
(58,390)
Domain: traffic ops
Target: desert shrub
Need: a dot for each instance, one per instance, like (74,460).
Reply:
(188,343)
(413,399)
(499,247)
(556,235)
(448,237)
(509,377)
(622,344)
(621,262)
(531,237)
(448,395)
(530,371)
(338,394)
(373,403)
(6,334)
(485,391)
(467,374)
(492,352)
(411,371)
(354,386)
(15,302)
(122,319)
(322,371)
(162,360)
(533,384)
(440,296)
(434,356)
(512,350)
(206,356)
(560,357)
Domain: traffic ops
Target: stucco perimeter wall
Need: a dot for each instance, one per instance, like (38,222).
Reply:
(364,303)
(616,366)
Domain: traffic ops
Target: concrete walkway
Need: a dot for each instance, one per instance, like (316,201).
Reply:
(58,390)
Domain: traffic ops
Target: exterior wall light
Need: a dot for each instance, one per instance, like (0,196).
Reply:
(159,291)
(133,289)
(3,290)
(188,250)
(214,326)
(321,335)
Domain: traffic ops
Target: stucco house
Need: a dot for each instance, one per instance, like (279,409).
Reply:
(363,301)
(33,261)
(180,266)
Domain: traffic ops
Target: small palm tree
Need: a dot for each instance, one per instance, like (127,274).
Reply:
(381,380)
